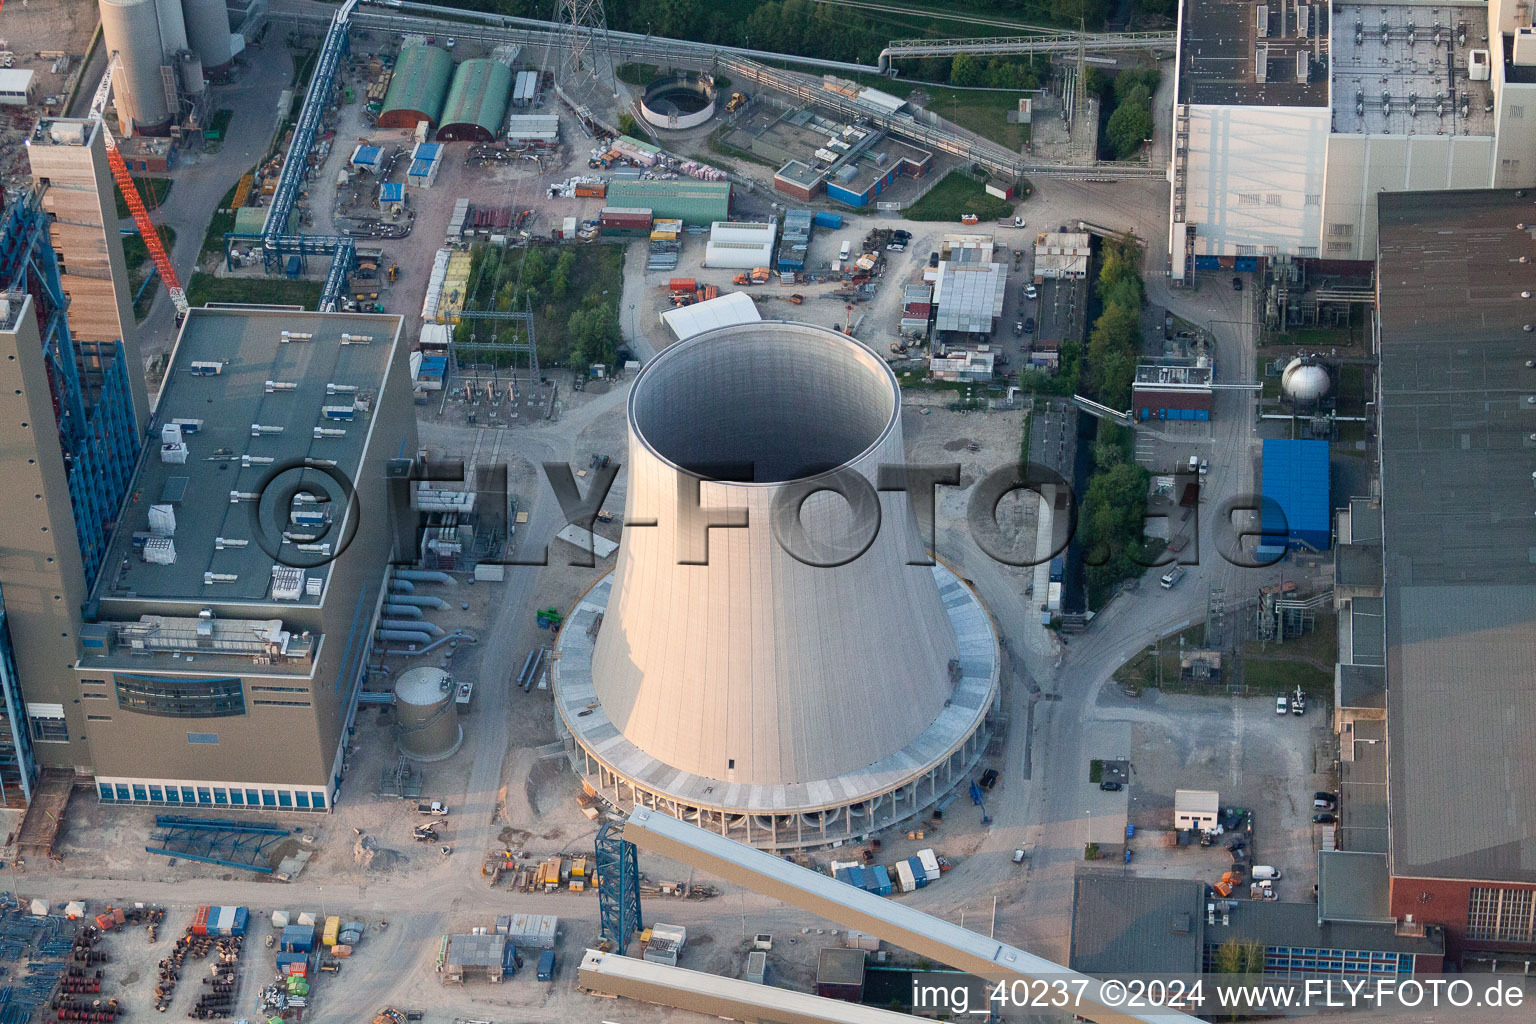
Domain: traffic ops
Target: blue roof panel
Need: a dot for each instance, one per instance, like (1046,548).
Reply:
(1296,479)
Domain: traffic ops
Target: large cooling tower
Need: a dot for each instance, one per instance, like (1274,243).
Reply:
(208,33)
(131,28)
(759,682)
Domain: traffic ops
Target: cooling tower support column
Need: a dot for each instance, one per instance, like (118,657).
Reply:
(775,680)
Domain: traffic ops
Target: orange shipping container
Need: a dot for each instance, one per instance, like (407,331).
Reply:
(342,951)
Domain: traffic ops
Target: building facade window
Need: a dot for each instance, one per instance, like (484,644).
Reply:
(282,703)
(98,718)
(49,729)
(1501,915)
(279,689)
(180,698)
(202,737)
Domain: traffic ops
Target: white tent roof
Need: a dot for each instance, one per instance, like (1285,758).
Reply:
(730,308)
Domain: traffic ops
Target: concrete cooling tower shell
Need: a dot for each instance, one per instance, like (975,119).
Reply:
(426,719)
(131,29)
(759,690)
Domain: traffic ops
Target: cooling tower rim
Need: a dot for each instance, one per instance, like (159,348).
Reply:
(857,349)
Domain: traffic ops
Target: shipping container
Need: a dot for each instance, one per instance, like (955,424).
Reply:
(200,920)
(547,965)
(332,932)
(823,219)
(930,864)
(683,284)
(882,881)
(242,921)
(904,877)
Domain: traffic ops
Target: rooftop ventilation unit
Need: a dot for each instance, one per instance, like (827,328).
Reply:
(1261,20)
(225,543)
(287,583)
(322,432)
(206,368)
(258,429)
(188,426)
(159,551)
(172,448)
(356,339)
(341,389)
(1261,65)
(345,413)
(1303,20)
(1303,66)
(235,497)
(280,385)
(256,460)
(162,520)
(288,336)
(210,578)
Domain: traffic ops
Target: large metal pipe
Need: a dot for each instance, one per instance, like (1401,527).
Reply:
(424,576)
(406,624)
(402,611)
(408,636)
(457,634)
(402,586)
(419,602)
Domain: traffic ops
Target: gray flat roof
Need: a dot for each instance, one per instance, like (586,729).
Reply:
(1277,923)
(1364,521)
(1363,790)
(837,965)
(1218,47)
(1362,686)
(1124,924)
(1358,565)
(1352,887)
(1368,630)
(476,950)
(1458,414)
(1367,67)
(248,347)
(969,296)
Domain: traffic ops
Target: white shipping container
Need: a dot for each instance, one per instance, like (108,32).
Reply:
(904,877)
(930,864)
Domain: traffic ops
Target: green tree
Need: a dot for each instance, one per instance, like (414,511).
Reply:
(967,70)
(560,277)
(1129,125)
(535,267)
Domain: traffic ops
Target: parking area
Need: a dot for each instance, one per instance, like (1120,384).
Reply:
(1254,759)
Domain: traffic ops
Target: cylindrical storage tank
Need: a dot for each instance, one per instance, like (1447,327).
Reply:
(191,67)
(208,33)
(131,29)
(426,723)
(476,108)
(680,101)
(807,646)
(418,89)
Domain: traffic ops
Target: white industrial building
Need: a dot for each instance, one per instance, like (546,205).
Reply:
(725,311)
(17,87)
(1290,118)
(1062,255)
(740,245)
(1196,808)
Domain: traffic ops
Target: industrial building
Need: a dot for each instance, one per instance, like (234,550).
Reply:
(541,131)
(1128,925)
(853,167)
(796,241)
(968,297)
(740,245)
(963,364)
(68,458)
(724,311)
(220,619)
(18,87)
(1196,808)
(1062,254)
(1173,390)
(687,200)
(766,724)
(476,107)
(1289,120)
(1295,484)
(1460,594)
(418,89)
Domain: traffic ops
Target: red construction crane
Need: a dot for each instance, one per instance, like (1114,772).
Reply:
(147,229)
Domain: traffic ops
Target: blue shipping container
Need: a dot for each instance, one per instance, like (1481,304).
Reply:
(284,959)
(1058,568)
(298,938)
(823,219)
(547,965)
(919,873)
(509,960)
(883,880)
(242,918)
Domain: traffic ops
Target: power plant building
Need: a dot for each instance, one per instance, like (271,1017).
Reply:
(419,87)
(770,680)
(1290,119)
(68,460)
(476,108)
(165,49)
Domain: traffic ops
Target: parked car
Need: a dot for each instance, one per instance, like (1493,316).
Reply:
(1171,577)
(933,259)
(1110,786)
(1018,328)
(988,778)
(901,235)
(1282,705)
(1237,284)
(1018,222)
(896,247)
(1324,818)
(1031,292)
(1029,325)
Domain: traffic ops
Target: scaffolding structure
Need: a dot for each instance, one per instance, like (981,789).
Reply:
(617,865)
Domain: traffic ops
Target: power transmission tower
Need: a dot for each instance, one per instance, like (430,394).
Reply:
(585,58)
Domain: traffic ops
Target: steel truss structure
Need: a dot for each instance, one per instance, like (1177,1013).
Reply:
(618,886)
(233,844)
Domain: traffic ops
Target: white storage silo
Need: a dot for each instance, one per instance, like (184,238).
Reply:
(191,68)
(208,33)
(173,27)
(131,29)
(426,721)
